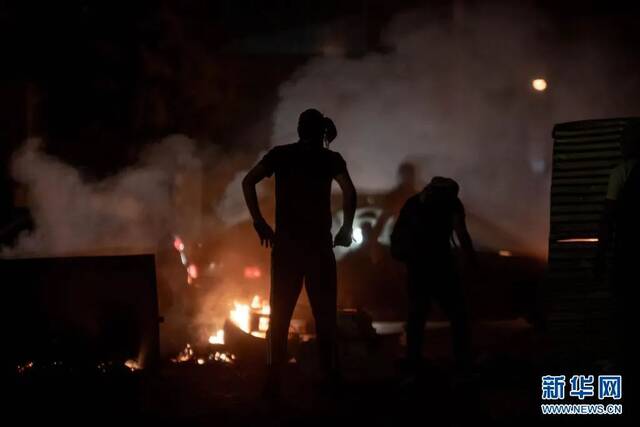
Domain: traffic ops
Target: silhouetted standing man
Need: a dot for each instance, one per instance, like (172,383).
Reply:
(422,240)
(302,243)
(392,203)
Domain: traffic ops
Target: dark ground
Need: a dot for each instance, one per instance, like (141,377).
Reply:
(504,390)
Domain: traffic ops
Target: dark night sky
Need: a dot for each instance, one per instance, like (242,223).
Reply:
(107,76)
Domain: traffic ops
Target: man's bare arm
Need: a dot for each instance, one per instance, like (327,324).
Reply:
(349,197)
(253,177)
(460,227)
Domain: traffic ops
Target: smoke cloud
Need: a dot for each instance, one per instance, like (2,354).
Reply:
(137,210)
(127,212)
(456,100)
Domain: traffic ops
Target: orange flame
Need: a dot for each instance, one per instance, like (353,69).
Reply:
(217,338)
(185,355)
(241,314)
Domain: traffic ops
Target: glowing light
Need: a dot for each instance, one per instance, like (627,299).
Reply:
(192,270)
(263,324)
(357,235)
(252,272)
(579,240)
(23,368)
(255,302)
(177,243)
(224,357)
(133,365)
(539,84)
(200,361)
(505,253)
(242,314)
(217,338)
(185,355)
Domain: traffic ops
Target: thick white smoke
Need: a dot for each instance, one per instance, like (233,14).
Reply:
(125,213)
(456,100)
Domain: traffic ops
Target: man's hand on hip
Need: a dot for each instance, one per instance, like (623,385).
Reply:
(343,238)
(265,233)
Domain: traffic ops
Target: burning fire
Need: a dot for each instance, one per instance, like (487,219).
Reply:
(188,355)
(240,316)
(185,355)
(224,357)
(262,309)
(244,316)
(217,338)
(251,318)
(133,365)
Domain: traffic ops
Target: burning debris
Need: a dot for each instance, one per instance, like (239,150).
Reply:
(21,369)
(188,355)
(217,338)
(244,333)
(102,367)
(133,365)
(252,318)
(129,365)
(224,357)
(185,355)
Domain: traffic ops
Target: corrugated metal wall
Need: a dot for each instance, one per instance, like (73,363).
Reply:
(578,304)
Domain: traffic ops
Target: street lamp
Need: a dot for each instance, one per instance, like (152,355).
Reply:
(539,85)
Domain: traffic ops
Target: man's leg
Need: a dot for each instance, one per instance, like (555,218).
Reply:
(321,285)
(286,283)
(418,310)
(451,299)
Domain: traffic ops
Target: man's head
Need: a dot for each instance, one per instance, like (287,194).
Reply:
(407,175)
(315,127)
(367,231)
(441,188)
(630,142)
